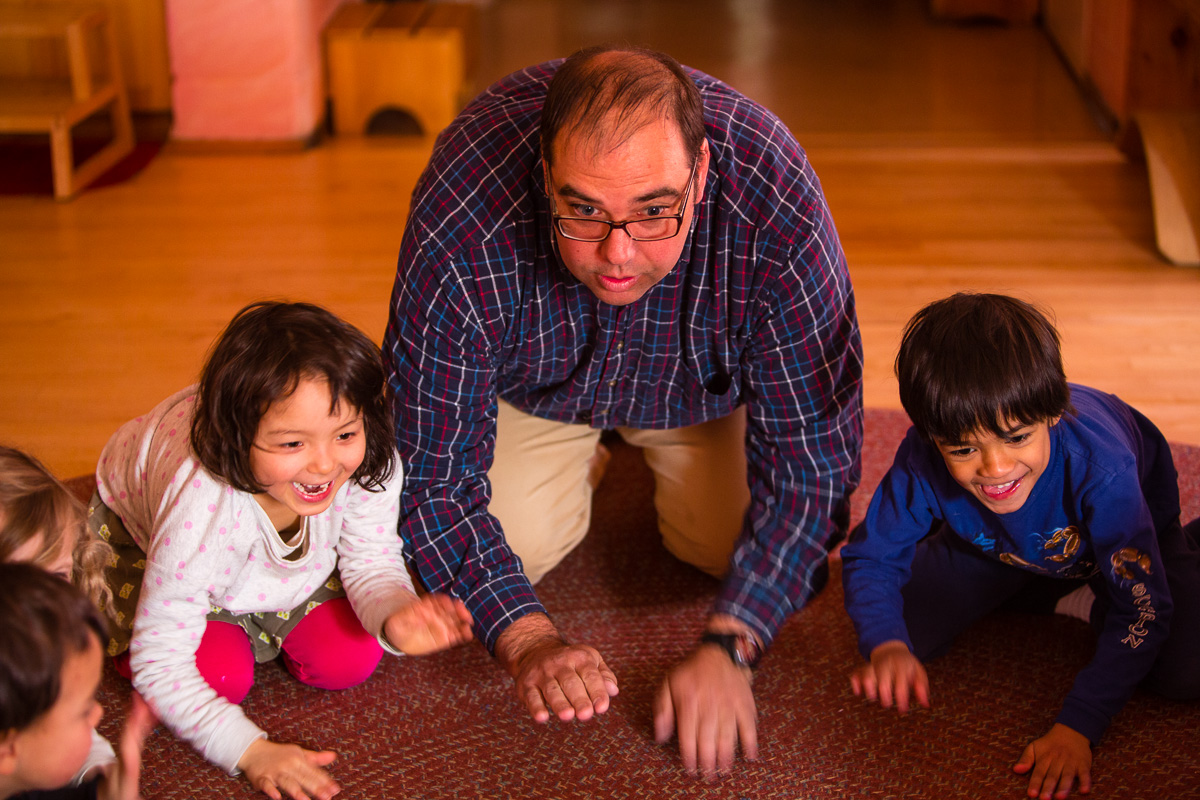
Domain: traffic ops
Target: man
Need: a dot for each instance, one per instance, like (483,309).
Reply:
(612,242)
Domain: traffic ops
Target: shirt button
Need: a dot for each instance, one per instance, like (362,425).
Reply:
(612,382)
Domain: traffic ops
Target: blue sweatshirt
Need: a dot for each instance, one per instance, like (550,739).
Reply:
(1094,513)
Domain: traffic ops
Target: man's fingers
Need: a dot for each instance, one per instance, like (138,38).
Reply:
(685,728)
(536,703)
(664,714)
(748,734)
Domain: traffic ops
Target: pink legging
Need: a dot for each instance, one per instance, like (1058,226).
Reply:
(328,649)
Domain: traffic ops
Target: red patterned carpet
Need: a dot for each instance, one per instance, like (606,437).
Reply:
(448,726)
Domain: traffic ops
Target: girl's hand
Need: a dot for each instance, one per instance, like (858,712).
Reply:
(120,781)
(1057,759)
(892,675)
(428,624)
(274,769)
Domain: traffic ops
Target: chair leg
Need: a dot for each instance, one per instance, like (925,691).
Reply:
(62,159)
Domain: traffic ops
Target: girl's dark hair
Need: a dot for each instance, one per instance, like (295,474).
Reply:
(262,356)
(46,620)
(600,99)
(976,361)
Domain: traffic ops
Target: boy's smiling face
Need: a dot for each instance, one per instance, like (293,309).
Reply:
(999,471)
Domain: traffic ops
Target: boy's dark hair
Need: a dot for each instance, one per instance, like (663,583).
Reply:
(975,361)
(268,348)
(46,620)
(602,98)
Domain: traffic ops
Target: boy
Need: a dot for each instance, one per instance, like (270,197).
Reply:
(50,661)
(1009,478)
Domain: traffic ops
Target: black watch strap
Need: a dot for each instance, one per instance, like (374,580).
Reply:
(742,648)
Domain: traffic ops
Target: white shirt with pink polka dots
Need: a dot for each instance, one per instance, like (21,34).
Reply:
(208,544)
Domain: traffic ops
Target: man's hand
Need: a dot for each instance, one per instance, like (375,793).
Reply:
(707,699)
(892,675)
(1057,759)
(428,624)
(274,768)
(120,781)
(570,681)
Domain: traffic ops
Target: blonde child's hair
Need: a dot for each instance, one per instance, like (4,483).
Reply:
(33,502)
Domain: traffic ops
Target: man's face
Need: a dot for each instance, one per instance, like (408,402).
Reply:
(643,176)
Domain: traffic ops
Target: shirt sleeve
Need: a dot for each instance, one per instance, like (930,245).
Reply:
(877,561)
(370,557)
(442,368)
(804,432)
(1133,579)
(185,564)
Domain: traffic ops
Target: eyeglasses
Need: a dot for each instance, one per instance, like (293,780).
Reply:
(650,229)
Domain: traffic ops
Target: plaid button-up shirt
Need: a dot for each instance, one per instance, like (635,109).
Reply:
(758,311)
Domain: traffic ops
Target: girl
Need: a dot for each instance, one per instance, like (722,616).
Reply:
(41,523)
(238,510)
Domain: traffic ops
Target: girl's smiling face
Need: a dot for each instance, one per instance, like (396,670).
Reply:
(1000,471)
(304,452)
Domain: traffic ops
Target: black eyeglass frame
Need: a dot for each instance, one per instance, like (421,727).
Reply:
(622,224)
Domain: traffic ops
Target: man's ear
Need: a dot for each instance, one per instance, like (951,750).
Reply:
(8,752)
(702,171)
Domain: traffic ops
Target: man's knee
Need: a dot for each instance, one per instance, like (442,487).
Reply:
(701,490)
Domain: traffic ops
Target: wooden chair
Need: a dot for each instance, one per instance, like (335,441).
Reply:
(34,104)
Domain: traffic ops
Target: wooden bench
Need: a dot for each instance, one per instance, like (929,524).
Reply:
(53,105)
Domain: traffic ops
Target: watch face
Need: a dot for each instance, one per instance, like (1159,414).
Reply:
(742,648)
(747,650)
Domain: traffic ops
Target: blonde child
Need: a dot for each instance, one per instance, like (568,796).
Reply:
(50,662)
(41,523)
(255,515)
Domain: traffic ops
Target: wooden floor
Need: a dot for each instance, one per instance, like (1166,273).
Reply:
(953,157)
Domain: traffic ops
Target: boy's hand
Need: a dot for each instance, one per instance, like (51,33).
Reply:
(428,624)
(1057,759)
(274,768)
(892,675)
(120,781)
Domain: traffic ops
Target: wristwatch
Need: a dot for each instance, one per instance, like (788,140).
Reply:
(743,648)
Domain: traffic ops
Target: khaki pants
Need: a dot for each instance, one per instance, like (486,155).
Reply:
(541,495)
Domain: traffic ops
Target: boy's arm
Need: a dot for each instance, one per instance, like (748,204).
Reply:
(877,560)
(1139,607)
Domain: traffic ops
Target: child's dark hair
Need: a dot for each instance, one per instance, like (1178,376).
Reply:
(34,503)
(46,620)
(973,362)
(268,348)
